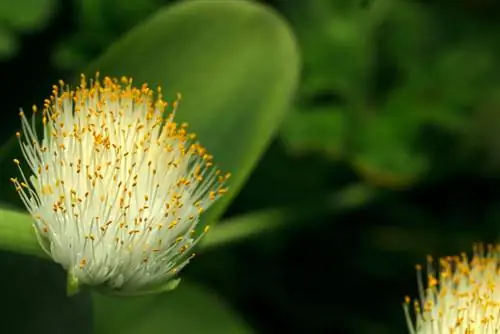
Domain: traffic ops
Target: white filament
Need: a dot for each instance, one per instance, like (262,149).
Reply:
(463,298)
(115,191)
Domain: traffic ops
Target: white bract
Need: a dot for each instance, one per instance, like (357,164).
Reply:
(115,190)
(462,298)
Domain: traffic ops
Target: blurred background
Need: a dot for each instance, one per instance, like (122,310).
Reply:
(390,152)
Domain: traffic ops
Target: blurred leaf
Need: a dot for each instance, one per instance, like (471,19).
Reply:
(322,128)
(385,152)
(481,132)
(26,15)
(93,33)
(94,29)
(440,94)
(337,44)
(255,223)
(124,14)
(17,234)
(236,65)
(22,239)
(163,287)
(90,14)
(406,35)
(9,44)
(462,72)
(68,55)
(187,309)
(34,293)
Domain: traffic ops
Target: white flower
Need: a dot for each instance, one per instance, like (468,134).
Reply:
(115,190)
(463,299)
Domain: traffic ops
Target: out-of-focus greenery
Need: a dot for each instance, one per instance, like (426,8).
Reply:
(98,24)
(389,152)
(165,50)
(19,18)
(389,75)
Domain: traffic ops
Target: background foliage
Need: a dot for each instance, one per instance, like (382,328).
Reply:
(389,152)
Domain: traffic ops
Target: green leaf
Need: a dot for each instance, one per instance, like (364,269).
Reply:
(17,233)
(163,287)
(26,15)
(123,14)
(338,46)
(320,129)
(9,44)
(236,65)
(461,85)
(187,309)
(406,34)
(229,231)
(385,152)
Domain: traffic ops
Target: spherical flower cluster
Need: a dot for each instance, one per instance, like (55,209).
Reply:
(115,189)
(463,297)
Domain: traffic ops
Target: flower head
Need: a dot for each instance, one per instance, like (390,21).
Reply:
(115,189)
(463,298)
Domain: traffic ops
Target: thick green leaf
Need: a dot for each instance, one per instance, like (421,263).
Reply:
(187,309)
(17,234)
(236,65)
(231,230)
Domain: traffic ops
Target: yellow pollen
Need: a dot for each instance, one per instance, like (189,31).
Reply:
(462,295)
(113,174)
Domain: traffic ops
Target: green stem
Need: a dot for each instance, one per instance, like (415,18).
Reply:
(252,224)
(17,234)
